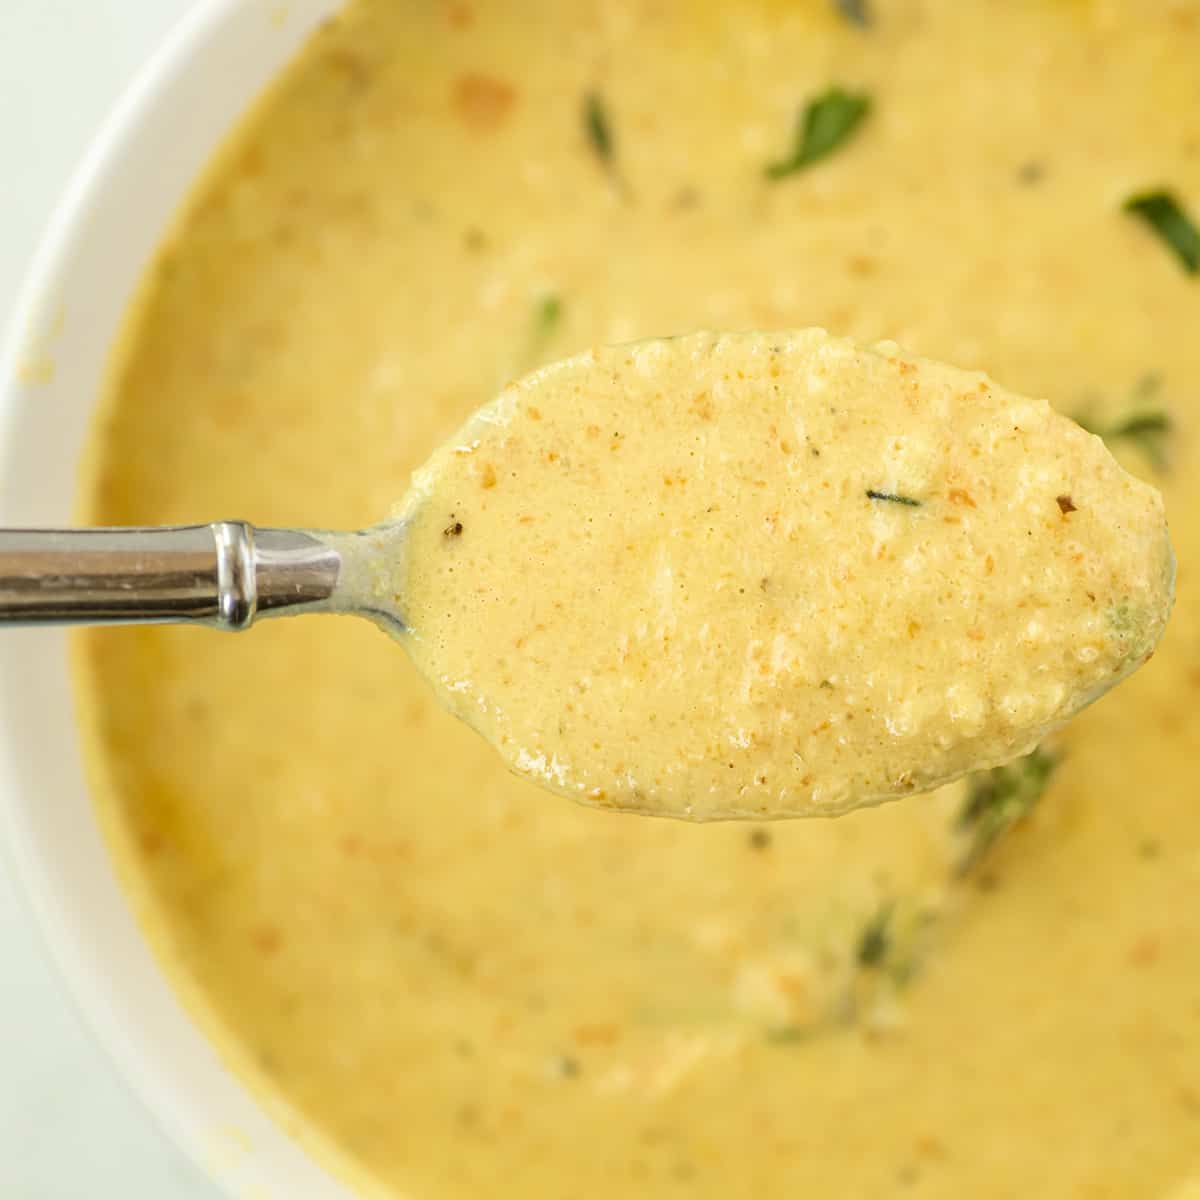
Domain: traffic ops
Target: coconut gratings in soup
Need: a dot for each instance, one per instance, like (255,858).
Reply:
(452,985)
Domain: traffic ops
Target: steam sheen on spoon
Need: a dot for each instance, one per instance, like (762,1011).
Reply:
(715,576)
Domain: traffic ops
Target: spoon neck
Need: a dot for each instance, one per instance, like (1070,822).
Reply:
(284,572)
(276,572)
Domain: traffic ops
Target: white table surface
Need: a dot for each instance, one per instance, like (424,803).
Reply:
(69,1128)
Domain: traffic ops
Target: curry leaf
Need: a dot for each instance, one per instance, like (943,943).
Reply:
(997,799)
(826,123)
(1145,423)
(546,320)
(856,11)
(1146,430)
(1164,214)
(598,128)
(875,940)
(787,1034)
(547,315)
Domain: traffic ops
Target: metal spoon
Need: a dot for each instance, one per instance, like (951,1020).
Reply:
(225,575)
(687,577)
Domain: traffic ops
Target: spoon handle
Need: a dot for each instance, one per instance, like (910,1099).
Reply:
(224,575)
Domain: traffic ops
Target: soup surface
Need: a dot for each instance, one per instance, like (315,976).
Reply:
(771,574)
(470,988)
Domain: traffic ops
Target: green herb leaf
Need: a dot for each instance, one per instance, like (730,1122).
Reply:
(875,941)
(889,953)
(1144,423)
(1141,425)
(548,316)
(598,128)
(543,325)
(825,124)
(1164,214)
(1147,430)
(893,498)
(785,1035)
(998,799)
(858,12)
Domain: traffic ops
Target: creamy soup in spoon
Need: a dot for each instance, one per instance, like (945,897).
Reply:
(453,985)
(772,574)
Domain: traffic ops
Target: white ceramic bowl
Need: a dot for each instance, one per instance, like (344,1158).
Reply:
(117,209)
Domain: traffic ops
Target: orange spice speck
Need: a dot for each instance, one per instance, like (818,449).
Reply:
(482,102)
(267,939)
(1145,951)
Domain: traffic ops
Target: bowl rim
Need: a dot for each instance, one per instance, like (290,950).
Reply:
(172,1109)
(51,254)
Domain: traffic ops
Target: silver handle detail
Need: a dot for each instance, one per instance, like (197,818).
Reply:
(225,574)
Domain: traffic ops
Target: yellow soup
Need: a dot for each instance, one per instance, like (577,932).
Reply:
(463,987)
